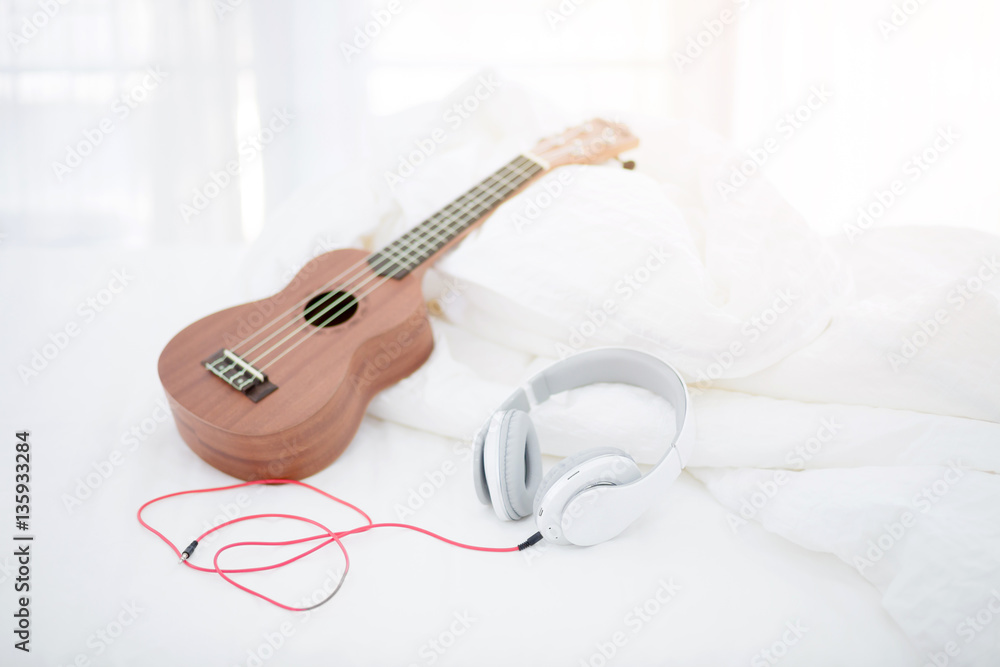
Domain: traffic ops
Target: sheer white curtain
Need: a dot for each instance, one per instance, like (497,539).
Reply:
(115,115)
(737,66)
(229,64)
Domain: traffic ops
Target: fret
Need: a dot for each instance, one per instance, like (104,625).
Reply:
(401,256)
(446,224)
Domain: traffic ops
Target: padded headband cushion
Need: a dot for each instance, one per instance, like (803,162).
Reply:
(520,459)
(566,465)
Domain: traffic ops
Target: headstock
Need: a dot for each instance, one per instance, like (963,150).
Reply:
(595,141)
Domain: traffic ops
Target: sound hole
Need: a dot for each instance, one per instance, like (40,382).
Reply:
(330,309)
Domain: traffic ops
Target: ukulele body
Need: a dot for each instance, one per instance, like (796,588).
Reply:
(324,383)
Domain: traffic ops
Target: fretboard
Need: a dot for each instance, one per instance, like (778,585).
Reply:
(416,246)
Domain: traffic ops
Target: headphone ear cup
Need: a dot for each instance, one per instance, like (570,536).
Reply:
(630,472)
(512,460)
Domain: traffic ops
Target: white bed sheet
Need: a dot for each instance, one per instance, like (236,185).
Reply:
(813,396)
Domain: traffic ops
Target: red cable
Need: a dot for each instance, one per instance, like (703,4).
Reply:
(328,536)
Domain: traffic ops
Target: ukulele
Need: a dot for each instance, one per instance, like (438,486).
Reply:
(277,388)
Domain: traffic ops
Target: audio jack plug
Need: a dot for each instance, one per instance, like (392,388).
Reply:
(187,552)
(528,542)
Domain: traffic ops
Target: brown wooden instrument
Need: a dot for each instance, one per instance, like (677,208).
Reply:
(277,388)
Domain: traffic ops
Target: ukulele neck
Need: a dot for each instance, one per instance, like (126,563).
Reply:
(424,243)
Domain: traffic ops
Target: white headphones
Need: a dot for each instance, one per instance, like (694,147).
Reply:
(592,496)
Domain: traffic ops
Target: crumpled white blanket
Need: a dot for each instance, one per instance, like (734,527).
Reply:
(847,395)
